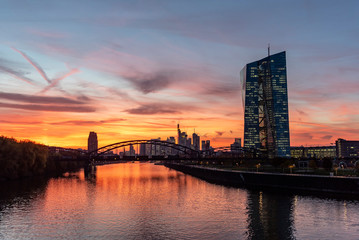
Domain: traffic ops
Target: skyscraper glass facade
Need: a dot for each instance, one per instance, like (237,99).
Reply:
(265,98)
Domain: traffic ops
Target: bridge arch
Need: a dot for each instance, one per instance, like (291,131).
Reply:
(184,149)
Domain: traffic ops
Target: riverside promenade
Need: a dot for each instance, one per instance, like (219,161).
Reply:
(303,183)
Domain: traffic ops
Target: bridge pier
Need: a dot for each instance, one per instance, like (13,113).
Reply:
(89,168)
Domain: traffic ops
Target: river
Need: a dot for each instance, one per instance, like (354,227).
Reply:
(147,201)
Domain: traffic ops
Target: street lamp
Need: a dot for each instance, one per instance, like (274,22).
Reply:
(291,167)
(258,165)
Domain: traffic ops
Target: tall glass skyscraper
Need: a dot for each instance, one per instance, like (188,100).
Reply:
(265,99)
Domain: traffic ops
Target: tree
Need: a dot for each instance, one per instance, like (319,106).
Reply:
(327,164)
(313,164)
(356,166)
(21,159)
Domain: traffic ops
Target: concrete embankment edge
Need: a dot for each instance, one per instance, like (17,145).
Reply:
(348,186)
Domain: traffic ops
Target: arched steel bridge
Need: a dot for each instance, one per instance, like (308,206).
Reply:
(183,149)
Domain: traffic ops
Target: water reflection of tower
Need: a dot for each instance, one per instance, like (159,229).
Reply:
(270,216)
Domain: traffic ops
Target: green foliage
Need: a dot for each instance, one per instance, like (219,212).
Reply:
(21,159)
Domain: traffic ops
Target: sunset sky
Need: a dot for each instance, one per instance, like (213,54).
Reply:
(134,69)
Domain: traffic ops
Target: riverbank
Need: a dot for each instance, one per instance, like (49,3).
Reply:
(23,159)
(337,186)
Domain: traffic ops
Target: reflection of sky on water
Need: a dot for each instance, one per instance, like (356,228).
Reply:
(141,200)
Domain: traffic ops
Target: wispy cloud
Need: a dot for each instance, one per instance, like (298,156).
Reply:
(34,64)
(151,82)
(7,67)
(109,90)
(47,34)
(222,89)
(16,74)
(219,133)
(89,122)
(160,124)
(39,99)
(327,137)
(151,109)
(300,112)
(304,135)
(22,122)
(44,103)
(310,124)
(48,108)
(40,70)
(55,81)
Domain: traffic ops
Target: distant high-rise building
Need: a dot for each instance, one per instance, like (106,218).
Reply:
(189,142)
(266,125)
(206,147)
(148,150)
(182,137)
(142,149)
(92,142)
(347,149)
(132,151)
(235,147)
(169,150)
(171,140)
(208,144)
(196,141)
(156,149)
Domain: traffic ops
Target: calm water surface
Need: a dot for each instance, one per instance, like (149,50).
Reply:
(145,201)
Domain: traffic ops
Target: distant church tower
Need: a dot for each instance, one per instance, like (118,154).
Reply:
(92,143)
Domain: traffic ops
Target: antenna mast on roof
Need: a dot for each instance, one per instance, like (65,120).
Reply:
(268,49)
